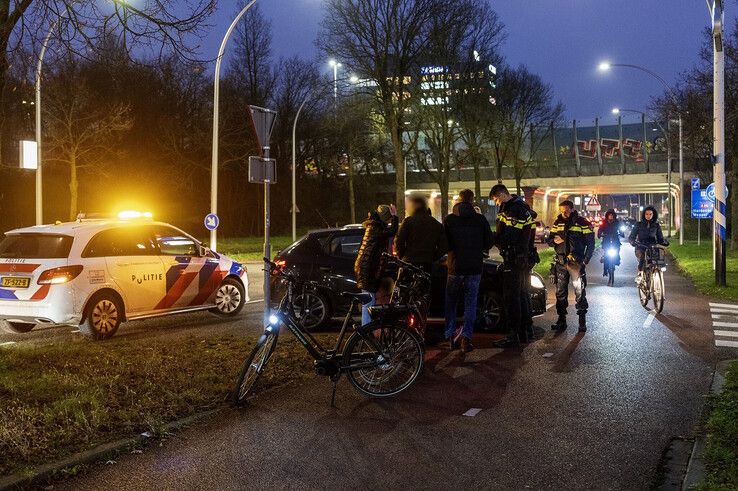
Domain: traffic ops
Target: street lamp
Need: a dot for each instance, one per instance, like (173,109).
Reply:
(216,114)
(717,15)
(335,65)
(606,66)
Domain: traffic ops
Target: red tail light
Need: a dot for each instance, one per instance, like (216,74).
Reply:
(411,320)
(57,276)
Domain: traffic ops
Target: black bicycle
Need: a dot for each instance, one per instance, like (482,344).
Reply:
(379,359)
(611,259)
(651,285)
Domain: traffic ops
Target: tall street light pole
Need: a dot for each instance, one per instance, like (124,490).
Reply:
(605,66)
(294,170)
(336,66)
(216,115)
(718,128)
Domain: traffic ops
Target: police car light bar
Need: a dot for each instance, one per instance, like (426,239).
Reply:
(133,215)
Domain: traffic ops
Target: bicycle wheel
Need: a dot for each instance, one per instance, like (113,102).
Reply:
(254,366)
(376,376)
(644,289)
(657,287)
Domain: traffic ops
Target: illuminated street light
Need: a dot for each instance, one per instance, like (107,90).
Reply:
(354,79)
(604,66)
(28,155)
(615,110)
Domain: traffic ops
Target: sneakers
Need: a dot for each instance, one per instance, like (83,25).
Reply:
(560,325)
(466,345)
(582,323)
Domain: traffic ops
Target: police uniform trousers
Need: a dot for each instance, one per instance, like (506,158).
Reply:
(576,273)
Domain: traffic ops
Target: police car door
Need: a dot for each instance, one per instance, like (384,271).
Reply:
(132,263)
(187,273)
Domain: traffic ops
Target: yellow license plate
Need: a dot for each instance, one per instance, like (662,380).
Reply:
(10,282)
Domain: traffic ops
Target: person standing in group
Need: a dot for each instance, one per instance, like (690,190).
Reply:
(513,239)
(469,237)
(380,227)
(421,240)
(572,237)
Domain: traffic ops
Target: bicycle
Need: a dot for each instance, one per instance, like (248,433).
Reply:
(380,360)
(651,285)
(610,259)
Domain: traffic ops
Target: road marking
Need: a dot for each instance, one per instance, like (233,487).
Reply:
(723,305)
(717,310)
(725,316)
(729,344)
(730,334)
(550,305)
(649,320)
(8,343)
(473,412)
(259,300)
(724,324)
(547,355)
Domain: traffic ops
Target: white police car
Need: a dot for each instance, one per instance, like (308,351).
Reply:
(97,273)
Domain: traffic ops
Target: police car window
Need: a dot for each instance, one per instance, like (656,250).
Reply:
(344,245)
(35,246)
(124,241)
(173,243)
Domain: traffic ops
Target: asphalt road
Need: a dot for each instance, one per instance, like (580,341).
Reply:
(570,411)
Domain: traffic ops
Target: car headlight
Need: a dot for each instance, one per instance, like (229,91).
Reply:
(536,282)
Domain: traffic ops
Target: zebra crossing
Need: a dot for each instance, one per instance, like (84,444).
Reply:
(725,324)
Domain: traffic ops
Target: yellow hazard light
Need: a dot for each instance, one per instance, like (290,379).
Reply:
(133,215)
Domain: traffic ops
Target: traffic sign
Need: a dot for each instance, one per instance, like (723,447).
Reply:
(594,204)
(695,183)
(711,191)
(702,205)
(263,120)
(212,221)
(262,170)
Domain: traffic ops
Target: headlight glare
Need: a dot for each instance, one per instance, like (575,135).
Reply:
(536,282)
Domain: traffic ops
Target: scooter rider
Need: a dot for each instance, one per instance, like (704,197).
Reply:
(610,234)
(512,238)
(573,239)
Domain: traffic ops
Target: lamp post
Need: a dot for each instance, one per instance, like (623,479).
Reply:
(606,66)
(717,15)
(336,66)
(618,110)
(216,114)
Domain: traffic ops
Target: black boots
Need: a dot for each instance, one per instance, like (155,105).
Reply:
(560,325)
(582,322)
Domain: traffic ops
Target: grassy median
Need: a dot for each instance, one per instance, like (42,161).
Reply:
(64,397)
(721,452)
(695,262)
(251,248)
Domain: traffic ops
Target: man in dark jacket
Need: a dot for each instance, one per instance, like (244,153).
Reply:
(573,240)
(513,239)
(379,228)
(421,239)
(469,237)
(646,232)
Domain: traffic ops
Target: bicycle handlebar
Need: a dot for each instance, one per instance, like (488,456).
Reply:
(404,264)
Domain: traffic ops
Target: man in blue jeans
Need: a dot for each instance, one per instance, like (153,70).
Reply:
(469,238)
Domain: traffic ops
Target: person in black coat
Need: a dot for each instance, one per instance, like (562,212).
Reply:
(421,239)
(469,238)
(610,234)
(646,232)
(379,228)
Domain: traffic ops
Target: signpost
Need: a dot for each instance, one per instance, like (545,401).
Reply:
(594,204)
(263,169)
(212,221)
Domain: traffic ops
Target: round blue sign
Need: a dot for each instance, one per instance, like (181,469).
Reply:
(212,221)
(711,191)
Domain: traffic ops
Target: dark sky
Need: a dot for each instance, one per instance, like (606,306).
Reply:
(562,40)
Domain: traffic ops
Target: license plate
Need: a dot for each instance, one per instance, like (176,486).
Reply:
(10,282)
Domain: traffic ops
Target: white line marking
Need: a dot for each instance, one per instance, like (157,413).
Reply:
(472,412)
(729,344)
(723,311)
(724,305)
(550,305)
(547,355)
(260,300)
(649,320)
(729,334)
(724,324)
(8,343)
(725,316)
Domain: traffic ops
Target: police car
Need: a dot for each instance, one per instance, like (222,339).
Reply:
(98,273)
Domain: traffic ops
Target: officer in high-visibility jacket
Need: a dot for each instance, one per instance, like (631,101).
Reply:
(512,238)
(573,239)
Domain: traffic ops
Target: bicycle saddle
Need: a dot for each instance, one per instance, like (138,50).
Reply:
(362,297)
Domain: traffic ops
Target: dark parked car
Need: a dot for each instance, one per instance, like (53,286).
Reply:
(542,232)
(328,256)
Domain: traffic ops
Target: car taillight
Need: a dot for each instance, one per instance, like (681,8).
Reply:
(57,276)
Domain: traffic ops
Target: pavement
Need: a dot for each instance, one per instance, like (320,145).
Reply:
(569,411)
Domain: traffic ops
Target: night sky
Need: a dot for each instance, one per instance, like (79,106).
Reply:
(562,40)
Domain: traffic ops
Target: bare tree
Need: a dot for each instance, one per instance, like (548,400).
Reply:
(382,40)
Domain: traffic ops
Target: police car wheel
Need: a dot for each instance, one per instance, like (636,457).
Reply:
(489,311)
(18,327)
(104,315)
(229,298)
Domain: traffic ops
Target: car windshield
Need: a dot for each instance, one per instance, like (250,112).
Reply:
(35,246)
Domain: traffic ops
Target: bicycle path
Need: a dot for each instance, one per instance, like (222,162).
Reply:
(570,411)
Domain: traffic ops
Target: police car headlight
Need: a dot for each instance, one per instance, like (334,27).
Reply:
(536,282)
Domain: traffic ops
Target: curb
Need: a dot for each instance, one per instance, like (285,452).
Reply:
(696,468)
(46,471)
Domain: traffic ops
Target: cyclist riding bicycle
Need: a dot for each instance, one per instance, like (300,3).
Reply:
(646,232)
(610,234)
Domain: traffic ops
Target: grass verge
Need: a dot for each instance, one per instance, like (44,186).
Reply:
(251,248)
(62,398)
(721,452)
(544,267)
(695,262)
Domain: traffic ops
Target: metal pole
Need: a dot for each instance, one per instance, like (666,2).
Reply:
(699,226)
(597,148)
(644,149)
(668,175)
(335,88)
(267,245)
(620,143)
(718,18)
(216,114)
(576,149)
(294,167)
(39,169)
(681,183)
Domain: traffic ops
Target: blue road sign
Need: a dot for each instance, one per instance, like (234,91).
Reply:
(702,204)
(711,191)
(695,183)
(212,221)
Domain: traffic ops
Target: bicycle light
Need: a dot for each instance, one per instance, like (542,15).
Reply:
(612,253)
(273,320)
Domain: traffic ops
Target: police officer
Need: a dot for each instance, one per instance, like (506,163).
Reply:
(512,237)
(573,239)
